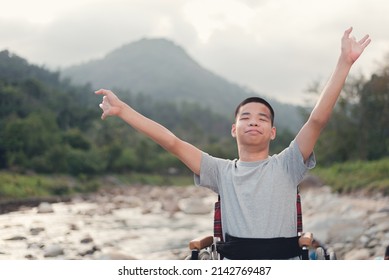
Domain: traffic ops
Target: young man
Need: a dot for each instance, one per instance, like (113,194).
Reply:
(258,191)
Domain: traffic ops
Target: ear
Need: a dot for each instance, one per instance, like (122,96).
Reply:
(233,130)
(273,133)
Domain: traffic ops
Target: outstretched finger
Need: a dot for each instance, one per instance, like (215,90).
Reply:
(365,41)
(101,91)
(347,32)
(103,115)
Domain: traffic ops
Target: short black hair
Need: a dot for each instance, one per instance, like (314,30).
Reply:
(257,100)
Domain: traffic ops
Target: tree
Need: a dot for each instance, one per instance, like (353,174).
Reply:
(359,126)
(374,116)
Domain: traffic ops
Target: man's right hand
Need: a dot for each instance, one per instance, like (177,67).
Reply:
(111,104)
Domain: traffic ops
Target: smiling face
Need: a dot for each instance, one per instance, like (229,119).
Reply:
(253,126)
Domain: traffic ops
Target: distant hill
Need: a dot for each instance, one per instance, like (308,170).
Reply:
(14,68)
(163,70)
(50,125)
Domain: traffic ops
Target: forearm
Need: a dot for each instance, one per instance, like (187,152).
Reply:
(330,94)
(187,153)
(158,133)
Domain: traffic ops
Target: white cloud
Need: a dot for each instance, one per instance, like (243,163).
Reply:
(208,17)
(276,47)
(39,11)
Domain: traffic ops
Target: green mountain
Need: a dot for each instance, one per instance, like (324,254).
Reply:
(49,125)
(163,70)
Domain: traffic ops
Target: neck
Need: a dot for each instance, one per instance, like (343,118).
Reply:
(253,154)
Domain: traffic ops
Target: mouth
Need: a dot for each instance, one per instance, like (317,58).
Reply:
(253,131)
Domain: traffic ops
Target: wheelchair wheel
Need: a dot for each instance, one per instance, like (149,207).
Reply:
(320,253)
(331,254)
(203,255)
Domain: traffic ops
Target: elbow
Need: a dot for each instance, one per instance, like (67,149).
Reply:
(171,144)
(319,120)
(317,124)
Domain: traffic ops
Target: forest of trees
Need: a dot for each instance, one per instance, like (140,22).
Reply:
(49,126)
(359,126)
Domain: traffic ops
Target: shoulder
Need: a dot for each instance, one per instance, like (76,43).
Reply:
(208,160)
(292,158)
(291,151)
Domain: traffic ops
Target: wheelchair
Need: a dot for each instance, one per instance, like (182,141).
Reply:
(206,248)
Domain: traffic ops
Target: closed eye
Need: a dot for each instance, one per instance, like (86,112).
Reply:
(244,116)
(264,117)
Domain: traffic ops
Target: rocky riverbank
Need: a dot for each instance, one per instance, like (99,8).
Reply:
(145,222)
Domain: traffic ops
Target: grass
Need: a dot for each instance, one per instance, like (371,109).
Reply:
(17,186)
(348,177)
(369,177)
(156,179)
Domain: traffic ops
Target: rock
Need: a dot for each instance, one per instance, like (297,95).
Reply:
(89,251)
(45,207)
(358,254)
(383,226)
(158,222)
(86,239)
(53,251)
(170,205)
(35,245)
(74,227)
(364,240)
(16,238)
(30,257)
(152,207)
(384,210)
(36,230)
(378,217)
(347,231)
(194,206)
(130,201)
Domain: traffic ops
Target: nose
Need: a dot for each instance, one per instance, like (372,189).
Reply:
(253,123)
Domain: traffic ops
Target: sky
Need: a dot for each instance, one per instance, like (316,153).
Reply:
(277,48)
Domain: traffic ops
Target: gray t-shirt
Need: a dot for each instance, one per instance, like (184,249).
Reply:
(258,199)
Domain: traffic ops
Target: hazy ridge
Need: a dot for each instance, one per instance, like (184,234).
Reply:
(163,70)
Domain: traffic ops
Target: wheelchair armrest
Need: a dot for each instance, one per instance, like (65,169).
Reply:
(306,239)
(201,243)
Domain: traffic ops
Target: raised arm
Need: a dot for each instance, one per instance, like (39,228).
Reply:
(187,153)
(320,115)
